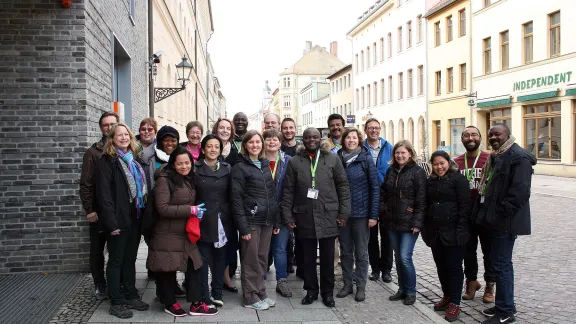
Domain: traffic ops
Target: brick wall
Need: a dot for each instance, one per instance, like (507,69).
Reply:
(55,81)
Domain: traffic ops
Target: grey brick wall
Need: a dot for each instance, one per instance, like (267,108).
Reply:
(55,81)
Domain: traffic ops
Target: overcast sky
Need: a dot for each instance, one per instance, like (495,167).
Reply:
(255,40)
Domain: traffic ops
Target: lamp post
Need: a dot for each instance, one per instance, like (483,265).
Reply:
(184,69)
(369,115)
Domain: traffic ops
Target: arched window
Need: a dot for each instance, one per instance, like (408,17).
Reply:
(400,130)
(411,130)
(391,133)
(383,130)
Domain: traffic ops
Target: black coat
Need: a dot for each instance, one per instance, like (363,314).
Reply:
(449,208)
(114,208)
(233,157)
(506,205)
(315,218)
(253,196)
(403,198)
(213,189)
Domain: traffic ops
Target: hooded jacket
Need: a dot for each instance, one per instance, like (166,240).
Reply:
(384,157)
(283,161)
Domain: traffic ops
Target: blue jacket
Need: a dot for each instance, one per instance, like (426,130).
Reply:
(384,157)
(364,185)
(281,174)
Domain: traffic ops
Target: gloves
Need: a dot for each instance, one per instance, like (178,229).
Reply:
(198,210)
(462,238)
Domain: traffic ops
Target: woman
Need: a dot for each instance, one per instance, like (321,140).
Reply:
(194,133)
(170,249)
(147,132)
(255,213)
(402,211)
(446,229)
(121,191)
(278,165)
(212,183)
(223,129)
(365,198)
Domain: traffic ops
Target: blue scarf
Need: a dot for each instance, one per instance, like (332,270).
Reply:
(139,178)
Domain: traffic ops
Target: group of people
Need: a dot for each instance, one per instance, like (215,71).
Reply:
(270,197)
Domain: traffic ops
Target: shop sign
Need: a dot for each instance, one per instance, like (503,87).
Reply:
(471,102)
(444,148)
(350,119)
(538,82)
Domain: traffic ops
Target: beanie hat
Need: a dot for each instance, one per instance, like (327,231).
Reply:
(166,131)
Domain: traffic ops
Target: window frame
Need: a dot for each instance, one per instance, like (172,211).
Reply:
(449,29)
(389,45)
(462,22)
(410,80)
(390,89)
(399,41)
(505,50)
(449,80)
(437,34)
(375,86)
(549,114)
(382,52)
(419,29)
(400,85)
(554,29)
(438,84)
(463,76)
(382,92)
(409,34)
(530,37)
(487,55)
(420,79)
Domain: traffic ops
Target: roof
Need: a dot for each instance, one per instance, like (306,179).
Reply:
(317,61)
(347,67)
(368,13)
(443,4)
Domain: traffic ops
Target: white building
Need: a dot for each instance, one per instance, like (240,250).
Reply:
(525,75)
(315,108)
(389,47)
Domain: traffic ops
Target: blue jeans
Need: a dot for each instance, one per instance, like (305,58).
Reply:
(501,248)
(216,260)
(403,245)
(354,250)
(279,243)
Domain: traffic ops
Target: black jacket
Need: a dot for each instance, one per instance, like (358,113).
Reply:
(213,189)
(114,207)
(253,196)
(449,208)
(506,205)
(403,198)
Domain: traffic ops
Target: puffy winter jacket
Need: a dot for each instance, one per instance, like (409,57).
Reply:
(403,198)
(364,185)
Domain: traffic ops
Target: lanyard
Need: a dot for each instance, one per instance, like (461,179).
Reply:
(313,168)
(238,147)
(468,173)
(275,166)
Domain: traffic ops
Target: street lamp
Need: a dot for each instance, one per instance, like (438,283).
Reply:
(369,115)
(184,69)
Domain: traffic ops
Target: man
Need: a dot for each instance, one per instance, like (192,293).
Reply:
(240,121)
(289,144)
(470,165)
(504,209)
(381,256)
(336,125)
(147,132)
(271,121)
(316,201)
(87,195)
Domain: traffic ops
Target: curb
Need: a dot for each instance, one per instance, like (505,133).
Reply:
(423,309)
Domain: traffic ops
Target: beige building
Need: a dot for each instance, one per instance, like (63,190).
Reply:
(316,65)
(449,73)
(315,105)
(341,94)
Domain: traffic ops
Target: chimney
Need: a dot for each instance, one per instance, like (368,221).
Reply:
(308,47)
(334,48)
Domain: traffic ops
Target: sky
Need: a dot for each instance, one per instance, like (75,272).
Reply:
(255,40)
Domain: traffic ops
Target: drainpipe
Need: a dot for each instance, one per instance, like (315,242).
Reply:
(150,54)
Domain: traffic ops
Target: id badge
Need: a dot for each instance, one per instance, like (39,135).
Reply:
(482,199)
(312,193)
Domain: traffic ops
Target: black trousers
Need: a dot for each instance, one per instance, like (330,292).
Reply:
(478,232)
(309,248)
(97,244)
(165,284)
(290,250)
(380,253)
(122,253)
(448,261)
(232,248)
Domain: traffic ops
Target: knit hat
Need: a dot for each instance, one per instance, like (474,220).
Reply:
(167,131)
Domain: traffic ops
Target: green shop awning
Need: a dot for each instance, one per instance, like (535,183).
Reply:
(491,103)
(536,96)
(571,92)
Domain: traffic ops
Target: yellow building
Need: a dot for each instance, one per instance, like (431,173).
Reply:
(449,77)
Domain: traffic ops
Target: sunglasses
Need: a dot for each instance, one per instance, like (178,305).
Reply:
(147,129)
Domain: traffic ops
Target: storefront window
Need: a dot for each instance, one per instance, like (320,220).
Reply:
(501,116)
(456,128)
(543,130)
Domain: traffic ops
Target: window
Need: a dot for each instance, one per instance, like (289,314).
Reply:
(419,29)
(390,88)
(399,39)
(362,61)
(410,84)
(357,98)
(286,82)
(363,98)
(528,43)
(349,80)
(438,83)
(400,85)
(368,57)
(437,34)
(389,44)
(333,87)
(287,100)
(504,51)
(456,128)
(487,55)
(420,80)
(400,130)
(132,11)
(449,80)
(463,76)
(409,31)
(375,94)
(554,33)
(369,95)
(462,27)
(543,130)
(357,64)
(503,115)
(449,29)
(381,49)
(382,91)
(340,84)
(391,132)
(344,82)
(374,53)
(487,3)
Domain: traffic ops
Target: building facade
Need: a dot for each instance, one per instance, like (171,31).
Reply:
(448,73)
(61,68)
(315,109)
(341,94)
(524,74)
(389,47)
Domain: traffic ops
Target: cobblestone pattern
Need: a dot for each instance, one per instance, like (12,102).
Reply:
(79,306)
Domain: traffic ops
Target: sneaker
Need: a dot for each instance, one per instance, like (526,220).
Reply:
(202,310)
(269,301)
(100,292)
(120,311)
(452,313)
(209,303)
(137,304)
(217,301)
(259,305)
(178,292)
(283,289)
(499,320)
(442,305)
(492,311)
(175,310)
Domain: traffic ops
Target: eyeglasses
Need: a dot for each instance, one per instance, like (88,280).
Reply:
(195,133)
(109,125)
(475,135)
(370,129)
(147,129)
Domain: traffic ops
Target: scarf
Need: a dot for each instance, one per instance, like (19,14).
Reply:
(161,155)
(194,152)
(136,179)
(226,149)
(349,156)
(487,169)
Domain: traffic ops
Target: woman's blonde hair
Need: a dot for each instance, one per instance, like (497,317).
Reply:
(247,137)
(408,146)
(110,148)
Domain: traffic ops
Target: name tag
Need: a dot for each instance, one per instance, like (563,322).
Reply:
(312,193)
(481,199)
